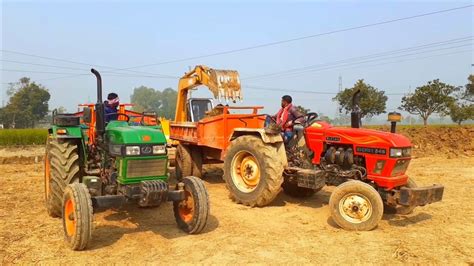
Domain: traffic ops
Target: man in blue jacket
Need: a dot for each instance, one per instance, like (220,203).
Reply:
(111,106)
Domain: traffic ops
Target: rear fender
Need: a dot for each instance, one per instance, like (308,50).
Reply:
(274,139)
(259,132)
(74,134)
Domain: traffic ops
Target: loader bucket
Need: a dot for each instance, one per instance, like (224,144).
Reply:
(225,84)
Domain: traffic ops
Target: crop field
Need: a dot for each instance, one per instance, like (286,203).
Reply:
(289,231)
(16,137)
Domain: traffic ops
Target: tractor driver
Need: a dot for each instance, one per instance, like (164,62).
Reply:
(287,116)
(111,106)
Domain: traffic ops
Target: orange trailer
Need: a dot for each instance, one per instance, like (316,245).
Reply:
(207,133)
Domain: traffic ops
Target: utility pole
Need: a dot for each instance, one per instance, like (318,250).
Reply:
(339,90)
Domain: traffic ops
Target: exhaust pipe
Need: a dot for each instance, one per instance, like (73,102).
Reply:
(99,106)
(394,117)
(355,114)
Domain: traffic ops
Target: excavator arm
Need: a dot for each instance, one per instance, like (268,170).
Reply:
(224,84)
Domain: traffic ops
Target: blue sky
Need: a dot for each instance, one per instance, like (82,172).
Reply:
(130,33)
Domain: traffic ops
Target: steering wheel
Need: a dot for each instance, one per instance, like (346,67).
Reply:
(120,114)
(310,118)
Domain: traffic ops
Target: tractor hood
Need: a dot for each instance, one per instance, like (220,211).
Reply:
(369,137)
(120,132)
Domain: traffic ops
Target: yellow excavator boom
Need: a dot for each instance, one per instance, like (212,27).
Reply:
(224,85)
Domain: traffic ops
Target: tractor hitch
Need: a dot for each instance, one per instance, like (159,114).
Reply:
(102,203)
(420,196)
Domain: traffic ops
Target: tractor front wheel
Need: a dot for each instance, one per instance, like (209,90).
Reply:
(61,168)
(77,216)
(191,213)
(253,171)
(356,206)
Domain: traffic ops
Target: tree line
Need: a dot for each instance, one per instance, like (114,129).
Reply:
(435,97)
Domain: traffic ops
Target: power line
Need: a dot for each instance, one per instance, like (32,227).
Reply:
(78,63)
(36,64)
(344,66)
(256,87)
(376,55)
(237,50)
(301,38)
(302,91)
(71,75)
(358,63)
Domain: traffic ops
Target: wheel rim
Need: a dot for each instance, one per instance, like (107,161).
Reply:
(355,208)
(47,175)
(245,171)
(69,217)
(186,207)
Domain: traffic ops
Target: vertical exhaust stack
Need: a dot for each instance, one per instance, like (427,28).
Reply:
(394,117)
(355,114)
(99,106)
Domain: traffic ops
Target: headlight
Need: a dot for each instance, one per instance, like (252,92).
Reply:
(116,149)
(406,152)
(400,152)
(132,150)
(395,152)
(159,149)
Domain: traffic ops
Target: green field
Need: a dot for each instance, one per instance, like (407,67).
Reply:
(13,137)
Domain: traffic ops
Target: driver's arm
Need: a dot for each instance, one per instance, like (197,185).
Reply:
(296,114)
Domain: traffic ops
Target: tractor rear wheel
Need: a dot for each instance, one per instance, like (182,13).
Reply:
(253,171)
(77,216)
(61,168)
(293,190)
(191,214)
(188,161)
(400,209)
(356,206)
(196,157)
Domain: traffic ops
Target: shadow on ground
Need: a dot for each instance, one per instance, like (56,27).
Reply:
(157,220)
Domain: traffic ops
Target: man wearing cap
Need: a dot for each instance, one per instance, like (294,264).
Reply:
(111,106)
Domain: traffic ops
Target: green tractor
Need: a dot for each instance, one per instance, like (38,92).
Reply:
(91,166)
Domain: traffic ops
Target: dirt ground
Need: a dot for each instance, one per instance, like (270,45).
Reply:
(288,231)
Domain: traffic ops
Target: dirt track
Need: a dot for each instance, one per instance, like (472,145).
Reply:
(288,231)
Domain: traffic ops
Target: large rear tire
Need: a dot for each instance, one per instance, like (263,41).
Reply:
(253,171)
(356,206)
(188,161)
(196,159)
(62,168)
(183,162)
(192,213)
(77,216)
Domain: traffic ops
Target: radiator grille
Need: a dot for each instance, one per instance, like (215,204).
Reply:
(144,168)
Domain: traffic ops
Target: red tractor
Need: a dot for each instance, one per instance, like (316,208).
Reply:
(367,166)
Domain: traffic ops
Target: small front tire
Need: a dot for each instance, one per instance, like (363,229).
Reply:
(77,214)
(192,213)
(356,206)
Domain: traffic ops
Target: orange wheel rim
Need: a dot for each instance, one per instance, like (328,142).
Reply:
(47,174)
(245,171)
(70,218)
(186,207)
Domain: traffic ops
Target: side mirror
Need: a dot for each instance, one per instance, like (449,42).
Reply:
(87,115)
